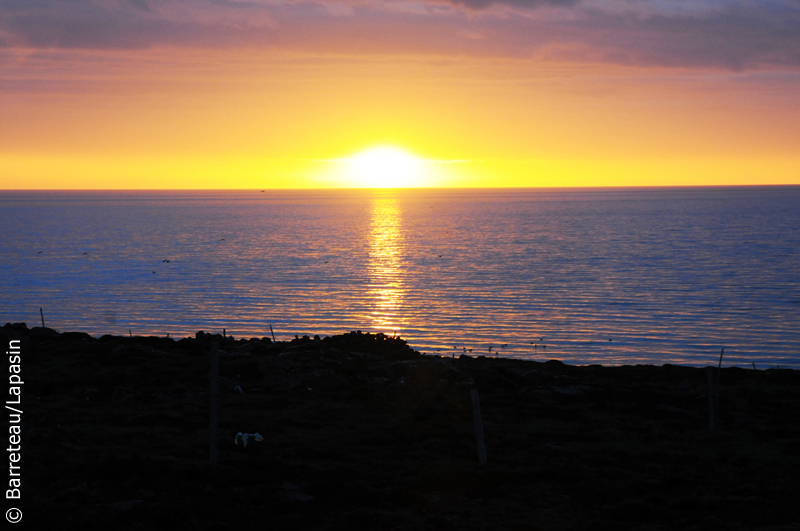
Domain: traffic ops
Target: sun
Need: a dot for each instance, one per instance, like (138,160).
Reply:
(386,167)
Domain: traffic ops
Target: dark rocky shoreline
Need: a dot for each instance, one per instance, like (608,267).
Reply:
(362,432)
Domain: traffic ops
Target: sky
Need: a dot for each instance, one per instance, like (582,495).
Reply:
(168,94)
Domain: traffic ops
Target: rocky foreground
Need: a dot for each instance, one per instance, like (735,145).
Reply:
(362,432)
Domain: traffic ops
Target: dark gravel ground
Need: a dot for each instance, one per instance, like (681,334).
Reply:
(361,432)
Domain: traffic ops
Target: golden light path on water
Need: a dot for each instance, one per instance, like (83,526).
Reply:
(384,268)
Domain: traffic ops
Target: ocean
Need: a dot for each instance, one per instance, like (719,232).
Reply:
(608,275)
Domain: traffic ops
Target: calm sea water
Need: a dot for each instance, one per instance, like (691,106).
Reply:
(611,276)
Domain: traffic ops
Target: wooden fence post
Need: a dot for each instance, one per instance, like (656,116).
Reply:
(213,398)
(476,417)
(712,406)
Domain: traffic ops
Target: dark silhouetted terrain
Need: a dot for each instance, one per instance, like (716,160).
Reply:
(362,432)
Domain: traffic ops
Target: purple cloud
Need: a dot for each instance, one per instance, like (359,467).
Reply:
(734,34)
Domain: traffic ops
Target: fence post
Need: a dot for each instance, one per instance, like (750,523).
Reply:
(213,399)
(476,417)
(712,406)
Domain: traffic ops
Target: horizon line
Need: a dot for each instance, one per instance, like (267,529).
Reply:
(264,189)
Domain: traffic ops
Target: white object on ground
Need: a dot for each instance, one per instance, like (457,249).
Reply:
(245,436)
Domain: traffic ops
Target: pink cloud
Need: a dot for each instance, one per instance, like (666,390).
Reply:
(727,33)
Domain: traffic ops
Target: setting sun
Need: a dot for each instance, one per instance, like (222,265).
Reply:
(386,167)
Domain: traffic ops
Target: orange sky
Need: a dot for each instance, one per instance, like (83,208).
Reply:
(278,96)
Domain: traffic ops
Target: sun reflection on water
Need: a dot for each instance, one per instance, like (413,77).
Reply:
(385,267)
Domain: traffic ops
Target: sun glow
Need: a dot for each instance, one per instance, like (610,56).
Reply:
(386,167)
